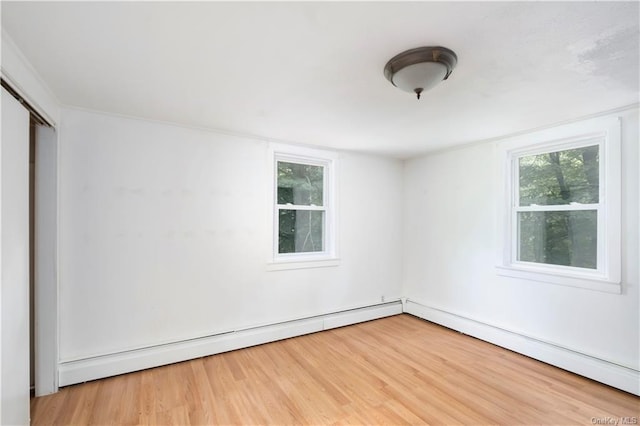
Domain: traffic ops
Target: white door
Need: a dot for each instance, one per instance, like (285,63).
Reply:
(45,280)
(14,263)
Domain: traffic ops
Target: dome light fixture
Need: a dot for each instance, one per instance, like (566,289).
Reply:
(419,69)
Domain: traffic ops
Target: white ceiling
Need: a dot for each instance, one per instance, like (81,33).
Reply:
(311,73)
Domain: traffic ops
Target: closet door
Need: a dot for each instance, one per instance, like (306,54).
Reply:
(14,263)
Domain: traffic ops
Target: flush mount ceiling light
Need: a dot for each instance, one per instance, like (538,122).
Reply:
(417,70)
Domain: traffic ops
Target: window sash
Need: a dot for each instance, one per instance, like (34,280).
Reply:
(515,247)
(304,162)
(551,147)
(326,208)
(310,233)
(599,207)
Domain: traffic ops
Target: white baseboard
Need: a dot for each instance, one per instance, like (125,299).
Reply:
(602,371)
(83,370)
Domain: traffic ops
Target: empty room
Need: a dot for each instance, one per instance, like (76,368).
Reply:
(320,213)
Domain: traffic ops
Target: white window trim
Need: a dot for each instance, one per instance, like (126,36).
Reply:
(602,131)
(303,155)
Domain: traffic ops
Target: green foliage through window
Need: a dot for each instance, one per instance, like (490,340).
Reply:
(559,238)
(561,177)
(557,217)
(301,215)
(300,184)
(300,231)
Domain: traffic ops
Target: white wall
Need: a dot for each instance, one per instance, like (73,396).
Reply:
(164,230)
(14,262)
(450,219)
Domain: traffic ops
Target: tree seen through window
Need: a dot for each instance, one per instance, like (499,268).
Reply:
(301,215)
(557,216)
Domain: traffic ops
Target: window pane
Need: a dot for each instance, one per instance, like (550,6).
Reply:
(300,231)
(560,177)
(559,238)
(300,184)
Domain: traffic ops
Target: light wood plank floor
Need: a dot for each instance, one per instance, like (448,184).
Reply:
(397,370)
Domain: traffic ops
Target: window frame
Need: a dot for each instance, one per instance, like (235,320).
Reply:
(604,132)
(328,256)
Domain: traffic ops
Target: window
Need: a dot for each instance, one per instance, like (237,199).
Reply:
(301,207)
(556,207)
(303,211)
(562,219)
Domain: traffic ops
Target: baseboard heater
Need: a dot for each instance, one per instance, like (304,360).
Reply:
(82,370)
(617,376)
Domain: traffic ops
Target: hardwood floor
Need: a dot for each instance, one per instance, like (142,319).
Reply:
(396,370)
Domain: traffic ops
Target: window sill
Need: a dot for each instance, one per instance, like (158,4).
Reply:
(589,282)
(283,265)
